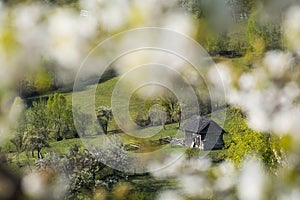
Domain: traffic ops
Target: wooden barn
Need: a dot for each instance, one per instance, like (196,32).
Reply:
(203,133)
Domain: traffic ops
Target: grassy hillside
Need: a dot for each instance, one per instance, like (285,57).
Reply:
(103,97)
(62,147)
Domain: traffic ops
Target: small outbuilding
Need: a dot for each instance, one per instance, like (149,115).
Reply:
(203,133)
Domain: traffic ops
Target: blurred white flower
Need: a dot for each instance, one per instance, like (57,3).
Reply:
(169,168)
(247,82)
(68,35)
(287,121)
(220,76)
(34,185)
(226,176)
(198,165)
(195,186)
(27,16)
(16,109)
(110,15)
(267,100)
(30,33)
(63,38)
(145,12)
(251,185)
(86,27)
(290,92)
(277,62)
(293,195)
(292,28)
(169,195)
(258,119)
(179,22)
(113,14)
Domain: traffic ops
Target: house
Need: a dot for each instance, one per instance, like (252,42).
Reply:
(203,133)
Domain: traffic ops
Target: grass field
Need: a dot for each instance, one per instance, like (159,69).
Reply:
(143,187)
(102,97)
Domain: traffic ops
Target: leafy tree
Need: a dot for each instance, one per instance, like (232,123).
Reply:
(70,129)
(157,115)
(34,83)
(255,36)
(35,139)
(262,36)
(172,107)
(104,115)
(164,109)
(38,115)
(192,153)
(245,142)
(193,6)
(61,121)
(176,114)
(238,40)
(202,8)
(31,133)
(26,88)
(39,121)
(217,42)
(18,139)
(244,8)
(142,119)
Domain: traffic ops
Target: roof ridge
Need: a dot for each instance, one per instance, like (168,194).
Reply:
(197,123)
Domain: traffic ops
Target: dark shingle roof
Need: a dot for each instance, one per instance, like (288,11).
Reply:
(196,124)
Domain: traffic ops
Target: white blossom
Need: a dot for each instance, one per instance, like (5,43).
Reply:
(251,185)
(34,185)
(292,28)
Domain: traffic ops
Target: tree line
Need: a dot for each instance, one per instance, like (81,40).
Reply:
(242,30)
(52,120)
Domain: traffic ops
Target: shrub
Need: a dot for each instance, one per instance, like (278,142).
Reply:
(192,152)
